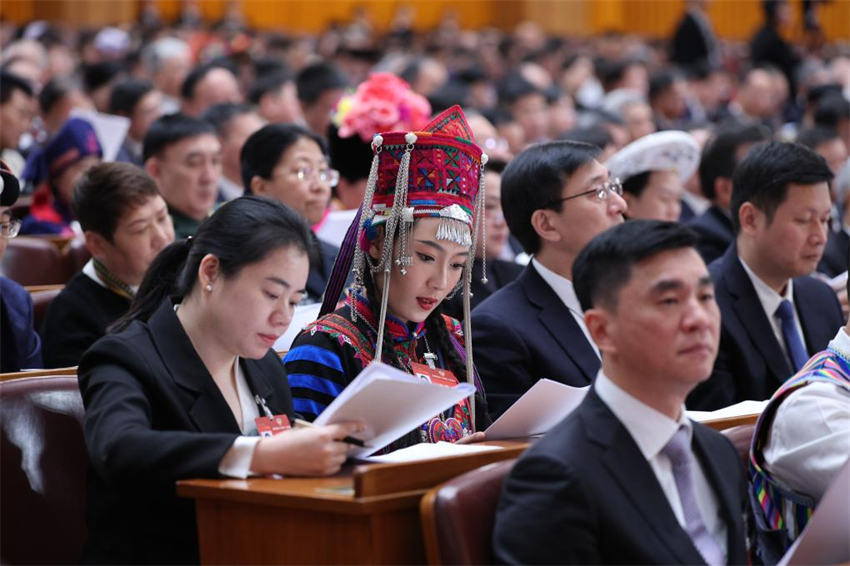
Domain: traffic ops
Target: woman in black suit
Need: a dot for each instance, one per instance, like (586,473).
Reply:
(173,392)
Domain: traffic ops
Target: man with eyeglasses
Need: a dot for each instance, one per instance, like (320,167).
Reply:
(20,347)
(556,197)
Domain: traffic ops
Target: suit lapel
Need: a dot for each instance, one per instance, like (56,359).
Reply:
(750,312)
(559,322)
(209,411)
(638,484)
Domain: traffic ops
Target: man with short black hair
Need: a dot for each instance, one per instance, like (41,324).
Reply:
(719,157)
(126,224)
(774,314)
(140,102)
(276,98)
(17,108)
(627,478)
(207,85)
(234,124)
(319,88)
(556,197)
(183,155)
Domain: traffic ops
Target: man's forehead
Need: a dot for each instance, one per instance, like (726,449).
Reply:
(590,173)
(204,143)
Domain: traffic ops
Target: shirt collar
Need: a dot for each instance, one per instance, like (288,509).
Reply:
(229,189)
(562,286)
(650,429)
(398,330)
(841,344)
(770,299)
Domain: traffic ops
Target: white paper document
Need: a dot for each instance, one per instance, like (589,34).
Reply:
(110,130)
(300,318)
(429,451)
(826,538)
(742,409)
(391,403)
(542,407)
(335,225)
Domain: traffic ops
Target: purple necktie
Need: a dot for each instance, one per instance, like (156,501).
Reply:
(793,340)
(678,450)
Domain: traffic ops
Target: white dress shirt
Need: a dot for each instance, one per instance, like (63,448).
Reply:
(563,287)
(810,436)
(652,431)
(770,301)
(236,462)
(697,203)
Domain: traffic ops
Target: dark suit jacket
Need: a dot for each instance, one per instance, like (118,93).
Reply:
(690,43)
(585,494)
(836,254)
(499,274)
(20,347)
(154,415)
(687,213)
(523,333)
(751,363)
(715,231)
(320,272)
(77,318)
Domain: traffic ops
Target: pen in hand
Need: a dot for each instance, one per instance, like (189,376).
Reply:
(299,423)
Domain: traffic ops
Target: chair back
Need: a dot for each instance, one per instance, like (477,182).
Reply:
(741,437)
(458,516)
(76,255)
(34,261)
(40,302)
(43,462)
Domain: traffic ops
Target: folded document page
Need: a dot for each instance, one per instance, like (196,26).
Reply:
(542,407)
(391,403)
(742,409)
(429,451)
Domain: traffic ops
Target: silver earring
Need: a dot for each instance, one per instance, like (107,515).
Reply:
(208,288)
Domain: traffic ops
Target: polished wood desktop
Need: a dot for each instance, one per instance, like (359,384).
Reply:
(366,514)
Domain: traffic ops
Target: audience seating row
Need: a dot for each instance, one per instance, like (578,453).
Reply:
(43,457)
(37,260)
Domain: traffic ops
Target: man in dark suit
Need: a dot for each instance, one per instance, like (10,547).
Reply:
(774,315)
(627,478)
(694,41)
(719,157)
(556,197)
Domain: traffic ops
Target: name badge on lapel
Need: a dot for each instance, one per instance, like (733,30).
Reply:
(437,376)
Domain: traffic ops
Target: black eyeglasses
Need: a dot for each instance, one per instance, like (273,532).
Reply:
(602,192)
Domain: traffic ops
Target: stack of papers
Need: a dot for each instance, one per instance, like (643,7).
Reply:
(742,409)
(542,407)
(391,403)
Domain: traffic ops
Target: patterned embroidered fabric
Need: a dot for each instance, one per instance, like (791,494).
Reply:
(330,352)
(781,507)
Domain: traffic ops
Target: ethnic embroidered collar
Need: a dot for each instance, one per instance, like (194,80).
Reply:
(398,330)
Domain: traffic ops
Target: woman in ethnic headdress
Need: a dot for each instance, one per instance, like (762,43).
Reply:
(411,246)
(54,171)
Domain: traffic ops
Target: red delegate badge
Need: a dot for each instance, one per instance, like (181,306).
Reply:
(270,426)
(436,376)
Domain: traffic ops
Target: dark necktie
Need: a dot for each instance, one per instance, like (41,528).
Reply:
(793,341)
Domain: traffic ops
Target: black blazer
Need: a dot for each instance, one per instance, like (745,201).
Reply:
(154,415)
(715,231)
(523,333)
(585,494)
(691,43)
(320,271)
(750,363)
(835,254)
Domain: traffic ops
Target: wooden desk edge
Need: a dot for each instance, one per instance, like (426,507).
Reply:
(729,422)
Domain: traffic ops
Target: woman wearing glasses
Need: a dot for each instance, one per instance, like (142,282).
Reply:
(19,344)
(289,163)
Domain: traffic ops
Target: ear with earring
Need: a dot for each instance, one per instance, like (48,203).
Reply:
(208,288)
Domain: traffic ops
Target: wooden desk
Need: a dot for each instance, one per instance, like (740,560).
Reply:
(367,514)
